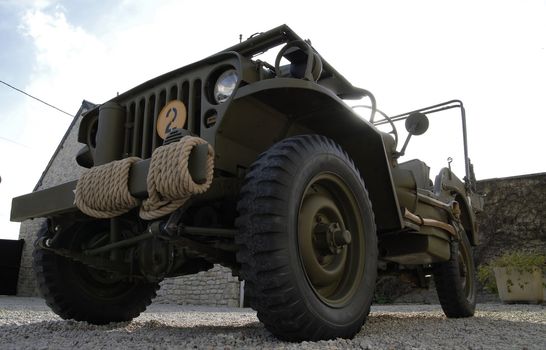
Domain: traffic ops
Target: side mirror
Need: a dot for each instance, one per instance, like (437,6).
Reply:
(417,123)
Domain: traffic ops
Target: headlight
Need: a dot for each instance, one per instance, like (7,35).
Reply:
(225,85)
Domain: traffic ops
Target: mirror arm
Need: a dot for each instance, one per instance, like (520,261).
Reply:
(403,150)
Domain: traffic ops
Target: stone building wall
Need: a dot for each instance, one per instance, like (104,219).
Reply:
(62,168)
(514,217)
(26,285)
(214,287)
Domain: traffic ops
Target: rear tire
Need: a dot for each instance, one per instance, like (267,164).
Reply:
(303,284)
(76,291)
(455,281)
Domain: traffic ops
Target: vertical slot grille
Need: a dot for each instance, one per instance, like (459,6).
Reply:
(173,93)
(184,96)
(129,126)
(148,127)
(137,127)
(195,107)
(161,103)
(141,136)
(156,140)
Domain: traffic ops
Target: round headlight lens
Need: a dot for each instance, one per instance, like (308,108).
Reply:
(225,85)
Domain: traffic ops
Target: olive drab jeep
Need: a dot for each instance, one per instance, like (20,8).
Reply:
(263,168)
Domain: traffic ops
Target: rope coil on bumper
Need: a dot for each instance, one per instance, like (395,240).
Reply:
(103,191)
(169,181)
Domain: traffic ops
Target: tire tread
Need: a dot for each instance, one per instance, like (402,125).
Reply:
(56,291)
(263,196)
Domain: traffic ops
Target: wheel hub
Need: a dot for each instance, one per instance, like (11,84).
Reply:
(330,238)
(329,249)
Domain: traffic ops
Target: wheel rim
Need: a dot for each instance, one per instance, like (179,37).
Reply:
(465,274)
(330,239)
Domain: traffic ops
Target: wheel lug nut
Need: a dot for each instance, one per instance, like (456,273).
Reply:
(339,236)
(342,237)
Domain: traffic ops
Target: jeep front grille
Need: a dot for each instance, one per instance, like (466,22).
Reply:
(141,137)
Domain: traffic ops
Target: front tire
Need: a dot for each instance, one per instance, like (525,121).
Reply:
(75,291)
(307,241)
(455,281)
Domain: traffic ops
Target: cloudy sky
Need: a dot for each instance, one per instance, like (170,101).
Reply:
(410,54)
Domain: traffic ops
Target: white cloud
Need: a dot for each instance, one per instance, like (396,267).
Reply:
(63,55)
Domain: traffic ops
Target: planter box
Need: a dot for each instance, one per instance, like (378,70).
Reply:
(520,286)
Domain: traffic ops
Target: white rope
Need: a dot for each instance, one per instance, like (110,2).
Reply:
(169,182)
(103,191)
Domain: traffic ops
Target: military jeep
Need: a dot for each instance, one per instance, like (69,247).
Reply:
(288,187)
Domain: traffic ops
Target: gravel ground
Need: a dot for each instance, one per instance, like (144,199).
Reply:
(27,323)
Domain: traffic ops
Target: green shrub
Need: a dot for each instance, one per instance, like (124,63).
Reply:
(519,261)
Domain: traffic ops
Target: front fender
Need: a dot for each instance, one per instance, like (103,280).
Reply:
(268,111)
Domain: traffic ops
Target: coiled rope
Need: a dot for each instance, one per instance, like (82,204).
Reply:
(103,191)
(169,181)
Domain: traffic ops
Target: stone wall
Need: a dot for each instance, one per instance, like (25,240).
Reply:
(62,168)
(214,287)
(26,285)
(514,217)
